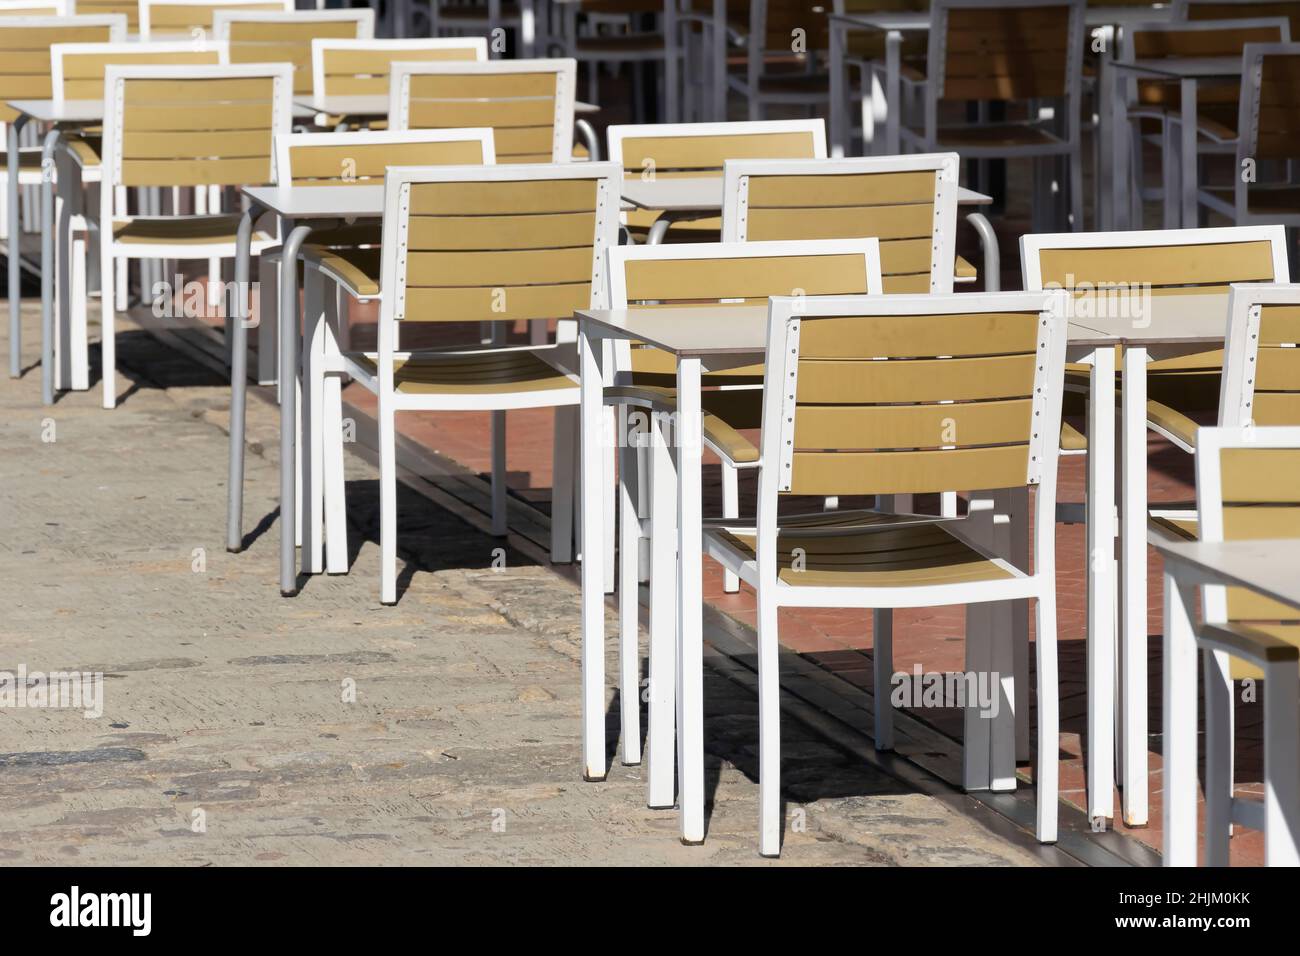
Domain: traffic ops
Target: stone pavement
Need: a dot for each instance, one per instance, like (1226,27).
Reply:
(240,727)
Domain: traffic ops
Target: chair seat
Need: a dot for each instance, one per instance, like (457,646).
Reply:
(85,148)
(29,165)
(809,84)
(895,554)
(1171,420)
(964,270)
(626,43)
(1238,669)
(1263,200)
(182,230)
(994,134)
(724,413)
(481,372)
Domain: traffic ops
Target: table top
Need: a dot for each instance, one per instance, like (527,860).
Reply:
(1101,16)
(320,202)
(719,329)
(704,194)
(1266,567)
(85,111)
(376,104)
(1156,320)
(1184,68)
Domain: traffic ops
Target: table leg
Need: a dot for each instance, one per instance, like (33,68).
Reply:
(1189,152)
(839,102)
(592,411)
(1281,776)
(527,28)
(1103,177)
(1101,592)
(1180,722)
(1133,588)
(15,244)
(660,783)
(239,385)
(1119,132)
(48,267)
(289,406)
(690,609)
(893,102)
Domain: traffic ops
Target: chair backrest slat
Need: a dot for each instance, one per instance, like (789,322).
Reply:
(700,149)
(1261,358)
(528,103)
(1239,9)
(1001,50)
(908,203)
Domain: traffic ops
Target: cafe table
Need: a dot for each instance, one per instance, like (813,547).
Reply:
(1146,328)
(301,209)
(1267,568)
(710,338)
(60,115)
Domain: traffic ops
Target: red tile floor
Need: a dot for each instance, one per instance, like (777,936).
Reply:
(840,640)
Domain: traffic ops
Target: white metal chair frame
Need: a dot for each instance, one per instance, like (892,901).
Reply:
(1131,499)
(779,411)
(146,12)
(321,46)
(73,234)
(1175,167)
(112,195)
(1068,144)
(1278,814)
(559,355)
(1248,130)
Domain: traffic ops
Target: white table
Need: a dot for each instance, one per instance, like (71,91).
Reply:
(1167,326)
(703,338)
(1189,72)
(301,209)
(683,198)
(1268,568)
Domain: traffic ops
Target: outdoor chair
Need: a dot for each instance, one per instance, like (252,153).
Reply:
(857,395)
(666,277)
(183,19)
(272,36)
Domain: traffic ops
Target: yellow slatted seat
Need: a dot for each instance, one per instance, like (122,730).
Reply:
(917,555)
(435,373)
(193,230)
(724,414)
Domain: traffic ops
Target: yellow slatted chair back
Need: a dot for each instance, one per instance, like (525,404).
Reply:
(163,19)
(79,68)
(25,52)
(528,104)
(499,244)
(261,37)
(204,126)
(1004,52)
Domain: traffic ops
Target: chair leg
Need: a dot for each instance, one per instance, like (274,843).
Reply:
(334,477)
(1281,770)
(769,727)
(608,502)
(882,662)
(78,349)
(312,502)
(629,532)
(112,293)
(563,468)
(730,509)
(268,297)
(661,744)
(387,499)
(499,523)
(1218,757)
(1047,771)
